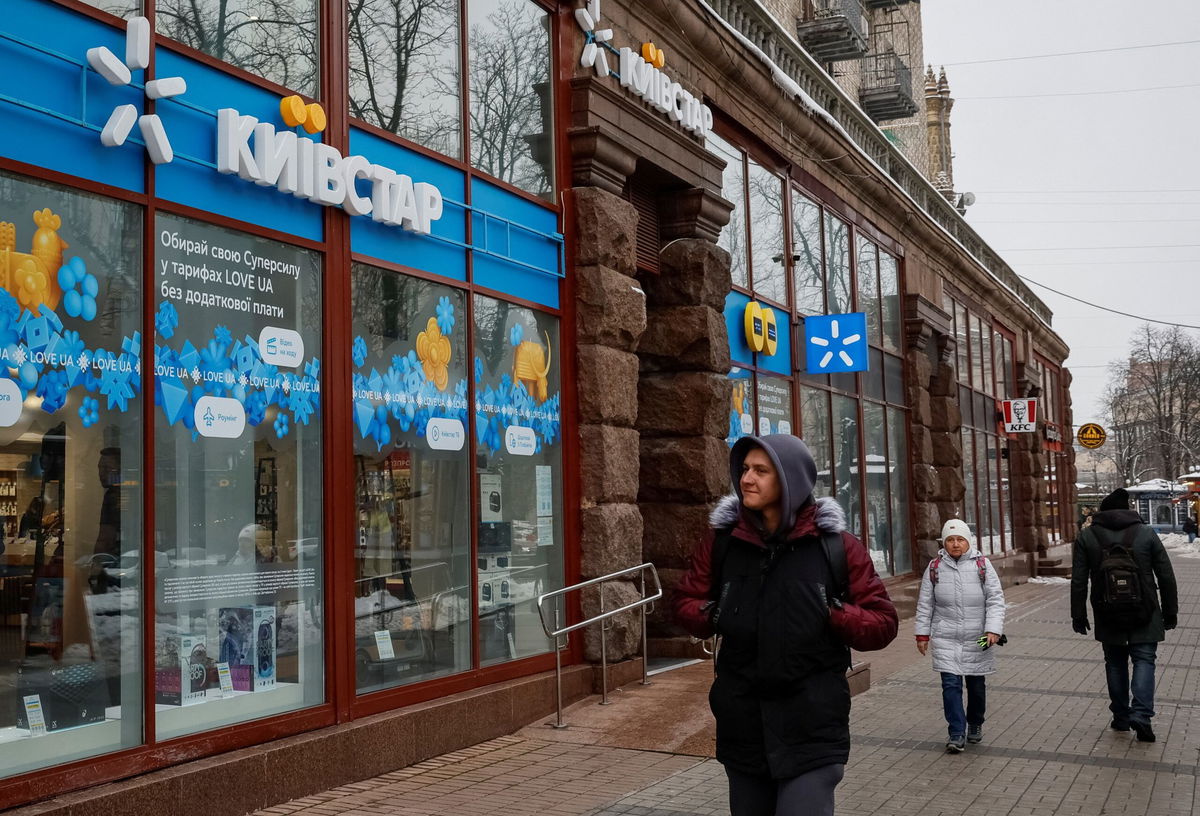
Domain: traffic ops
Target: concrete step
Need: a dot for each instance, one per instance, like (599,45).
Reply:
(1049,562)
(1063,571)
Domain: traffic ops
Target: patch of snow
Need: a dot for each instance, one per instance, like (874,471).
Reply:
(1050,579)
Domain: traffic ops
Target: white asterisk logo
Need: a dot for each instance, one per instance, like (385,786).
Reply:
(123,117)
(196,374)
(20,356)
(597,41)
(849,340)
(243,380)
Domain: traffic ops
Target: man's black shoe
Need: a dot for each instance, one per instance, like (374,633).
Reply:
(1119,725)
(1144,732)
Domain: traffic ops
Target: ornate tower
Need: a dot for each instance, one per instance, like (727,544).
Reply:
(937,120)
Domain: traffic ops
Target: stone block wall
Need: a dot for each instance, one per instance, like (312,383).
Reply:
(610,319)
(683,409)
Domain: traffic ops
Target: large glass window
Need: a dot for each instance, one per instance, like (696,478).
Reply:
(774,405)
(238,503)
(846,460)
(273,39)
(837,264)
(412,581)
(769,267)
(808,273)
(868,289)
(814,411)
(878,508)
(900,533)
(511,105)
(733,188)
(404,70)
(70,474)
(519,459)
(889,291)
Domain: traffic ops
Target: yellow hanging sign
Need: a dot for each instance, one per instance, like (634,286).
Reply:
(756,335)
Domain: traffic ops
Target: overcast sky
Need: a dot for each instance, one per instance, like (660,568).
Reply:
(1058,178)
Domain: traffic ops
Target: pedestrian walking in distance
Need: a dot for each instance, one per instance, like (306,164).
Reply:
(1189,528)
(1134,600)
(789,591)
(960,611)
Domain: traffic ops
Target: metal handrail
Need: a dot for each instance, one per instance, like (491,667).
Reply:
(559,634)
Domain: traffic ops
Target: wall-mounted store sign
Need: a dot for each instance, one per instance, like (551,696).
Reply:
(836,344)
(762,331)
(641,74)
(284,160)
(1091,435)
(1020,415)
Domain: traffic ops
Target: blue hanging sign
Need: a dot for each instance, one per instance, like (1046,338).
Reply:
(836,344)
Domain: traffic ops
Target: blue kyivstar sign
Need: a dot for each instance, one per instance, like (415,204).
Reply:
(836,344)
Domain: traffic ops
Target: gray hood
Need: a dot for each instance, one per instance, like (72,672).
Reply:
(795,465)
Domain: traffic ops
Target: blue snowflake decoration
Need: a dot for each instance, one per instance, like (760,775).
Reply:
(79,302)
(281,425)
(359,351)
(445,315)
(89,411)
(167,319)
(516,334)
(115,375)
(223,336)
(53,388)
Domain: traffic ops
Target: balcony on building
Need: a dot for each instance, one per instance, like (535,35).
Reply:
(886,91)
(833,30)
(874,4)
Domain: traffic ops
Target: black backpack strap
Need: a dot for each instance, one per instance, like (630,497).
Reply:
(839,570)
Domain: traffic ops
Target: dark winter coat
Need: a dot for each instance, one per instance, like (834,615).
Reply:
(1189,526)
(1108,527)
(780,698)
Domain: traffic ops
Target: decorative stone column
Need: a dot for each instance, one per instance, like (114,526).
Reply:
(684,394)
(935,447)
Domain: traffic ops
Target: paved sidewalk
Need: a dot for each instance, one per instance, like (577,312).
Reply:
(1047,748)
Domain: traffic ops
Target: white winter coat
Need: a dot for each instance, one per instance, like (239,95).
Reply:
(954,613)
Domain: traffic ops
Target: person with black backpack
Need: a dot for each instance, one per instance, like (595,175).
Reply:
(1129,572)
(789,591)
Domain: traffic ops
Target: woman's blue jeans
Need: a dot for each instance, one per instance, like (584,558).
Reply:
(957,719)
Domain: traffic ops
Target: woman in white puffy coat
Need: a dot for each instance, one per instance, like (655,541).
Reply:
(960,609)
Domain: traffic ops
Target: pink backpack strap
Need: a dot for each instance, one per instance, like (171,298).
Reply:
(981,565)
(933,570)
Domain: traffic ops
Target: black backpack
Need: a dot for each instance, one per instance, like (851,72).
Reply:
(1121,599)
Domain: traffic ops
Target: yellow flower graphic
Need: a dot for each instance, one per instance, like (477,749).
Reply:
(433,349)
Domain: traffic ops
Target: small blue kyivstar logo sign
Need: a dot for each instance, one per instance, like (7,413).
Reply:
(835,344)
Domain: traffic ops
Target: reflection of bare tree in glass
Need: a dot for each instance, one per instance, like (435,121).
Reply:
(273,39)
(733,236)
(806,253)
(510,93)
(118,8)
(766,225)
(837,244)
(868,288)
(404,73)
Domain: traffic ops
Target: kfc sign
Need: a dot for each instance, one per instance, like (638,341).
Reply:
(1020,415)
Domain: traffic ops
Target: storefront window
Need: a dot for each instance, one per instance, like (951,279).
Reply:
(969,513)
(868,290)
(404,70)
(889,291)
(70,474)
(846,460)
(961,346)
(121,8)
(837,255)
(273,39)
(900,535)
(808,274)
(774,405)
(741,408)
(412,580)
(878,527)
(519,458)
(238,510)
(994,541)
(814,411)
(733,188)
(766,234)
(511,102)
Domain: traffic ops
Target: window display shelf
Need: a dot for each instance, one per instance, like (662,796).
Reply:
(235,706)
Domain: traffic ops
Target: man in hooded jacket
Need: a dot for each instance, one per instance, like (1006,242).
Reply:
(762,580)
(1114,524)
